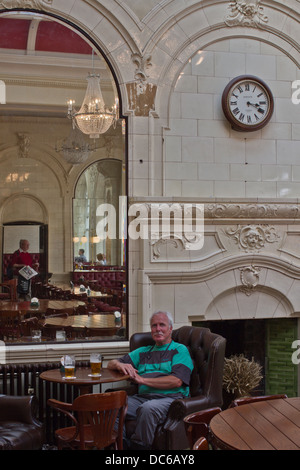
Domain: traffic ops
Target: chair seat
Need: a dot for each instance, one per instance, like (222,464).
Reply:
(94,416)
(65,434)
(4,296)
(19,436)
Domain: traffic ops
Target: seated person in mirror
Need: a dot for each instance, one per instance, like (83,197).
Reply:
(81,258)
(101,259)
(162,372)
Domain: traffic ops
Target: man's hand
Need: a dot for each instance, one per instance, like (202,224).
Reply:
(165,382)
(126,369)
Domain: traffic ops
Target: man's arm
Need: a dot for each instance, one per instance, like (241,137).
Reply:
(164,383)
(122,367)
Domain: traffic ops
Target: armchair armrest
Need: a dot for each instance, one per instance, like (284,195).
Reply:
(65,408)
(185,406)
(19,408)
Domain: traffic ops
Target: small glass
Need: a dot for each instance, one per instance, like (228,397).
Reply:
(69,366)
(96,365)
(60,335)
(36,335)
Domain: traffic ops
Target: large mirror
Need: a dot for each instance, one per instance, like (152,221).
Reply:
(58,174)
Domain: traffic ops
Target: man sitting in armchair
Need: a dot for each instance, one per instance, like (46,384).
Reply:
(162,372)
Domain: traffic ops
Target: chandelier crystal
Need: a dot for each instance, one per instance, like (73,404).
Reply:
(93,118)
(74,148)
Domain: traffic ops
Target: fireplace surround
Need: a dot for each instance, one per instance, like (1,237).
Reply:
(248,270)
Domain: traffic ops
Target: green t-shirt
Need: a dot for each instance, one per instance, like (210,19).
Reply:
(156,361)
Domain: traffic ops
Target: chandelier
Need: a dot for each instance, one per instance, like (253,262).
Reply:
(94,117)
(74,148)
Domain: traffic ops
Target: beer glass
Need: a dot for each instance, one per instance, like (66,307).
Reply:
(96,364)
(69,365)
(36,335)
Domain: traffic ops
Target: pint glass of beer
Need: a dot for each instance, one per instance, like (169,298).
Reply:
(96,364)
(69,365)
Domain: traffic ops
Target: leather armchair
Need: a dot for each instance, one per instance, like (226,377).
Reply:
(207,351)
(19,429)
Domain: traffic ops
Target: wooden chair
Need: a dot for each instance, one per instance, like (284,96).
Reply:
(9,290)
(197,424)
(29,324)
(246,400)
(10,324)
(94,416)
(201,444)
(59,312)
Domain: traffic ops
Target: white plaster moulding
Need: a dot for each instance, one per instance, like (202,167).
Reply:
(223,266)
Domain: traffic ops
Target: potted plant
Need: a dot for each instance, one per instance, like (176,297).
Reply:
(240,377)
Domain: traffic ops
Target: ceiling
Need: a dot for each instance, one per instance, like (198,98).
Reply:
(38,34)
(44,64)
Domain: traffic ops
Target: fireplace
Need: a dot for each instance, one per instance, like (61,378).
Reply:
(268,342)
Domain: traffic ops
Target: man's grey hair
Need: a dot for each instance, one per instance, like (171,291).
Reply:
(168,314)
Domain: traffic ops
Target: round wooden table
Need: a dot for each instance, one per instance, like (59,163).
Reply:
(264,425)
(83,379)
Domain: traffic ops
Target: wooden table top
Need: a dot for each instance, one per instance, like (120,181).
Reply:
(264,425)
(24,306)
(93,293)
(82,376)
(83,321)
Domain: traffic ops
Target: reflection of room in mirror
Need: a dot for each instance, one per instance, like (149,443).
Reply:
(47,198)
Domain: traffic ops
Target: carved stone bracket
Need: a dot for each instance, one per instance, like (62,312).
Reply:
(252,237)
(140,76)
(245,13)
(141,93)
(249,279)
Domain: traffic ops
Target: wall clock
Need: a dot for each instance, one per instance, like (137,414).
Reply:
(247,103)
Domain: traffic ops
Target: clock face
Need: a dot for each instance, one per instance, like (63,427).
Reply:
(247,103)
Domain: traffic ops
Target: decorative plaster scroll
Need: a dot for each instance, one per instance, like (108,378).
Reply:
(157,244)
(245,13)
(142,64)
(184,242)
(251,211)
(249,279)
(8,4)
(252,237)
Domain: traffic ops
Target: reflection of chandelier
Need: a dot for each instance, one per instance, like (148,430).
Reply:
(93,118)
(74,148)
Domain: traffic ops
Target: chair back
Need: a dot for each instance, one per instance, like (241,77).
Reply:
(97,413)
(197,424)
(10,289)
(10,324)
(207,351)
(247,400)
(201,444)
